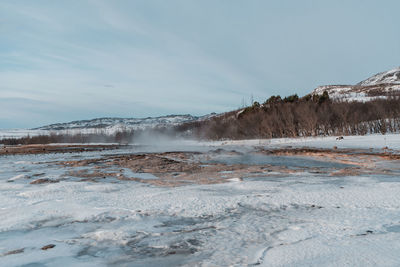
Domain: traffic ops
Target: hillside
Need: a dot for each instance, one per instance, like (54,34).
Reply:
(371,106)
(379,85)
(115,124)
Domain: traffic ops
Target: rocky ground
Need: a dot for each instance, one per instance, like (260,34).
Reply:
(183,168)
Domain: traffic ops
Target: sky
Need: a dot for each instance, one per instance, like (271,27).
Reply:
(81,59)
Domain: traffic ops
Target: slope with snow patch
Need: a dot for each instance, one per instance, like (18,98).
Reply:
(387,77)
(381,85)
(104,125)
(129,123)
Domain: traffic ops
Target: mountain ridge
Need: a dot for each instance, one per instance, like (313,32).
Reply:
(110,123)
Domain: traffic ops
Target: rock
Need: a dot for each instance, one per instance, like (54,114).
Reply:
(44,181)
(50,246)
(17,251)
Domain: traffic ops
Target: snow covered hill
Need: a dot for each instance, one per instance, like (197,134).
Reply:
(106,126)
(388,77)
(111,125)
(380,85)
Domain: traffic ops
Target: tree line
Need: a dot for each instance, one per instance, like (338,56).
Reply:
(120,137)
(311,115)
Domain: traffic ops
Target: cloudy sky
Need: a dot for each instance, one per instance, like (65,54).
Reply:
(81,59)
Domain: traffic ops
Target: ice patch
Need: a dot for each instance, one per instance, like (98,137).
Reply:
(141,175)
(114,236)
(17,177)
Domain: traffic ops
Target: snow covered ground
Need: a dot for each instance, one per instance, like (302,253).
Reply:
(17,133)
(374,141)
(300,219)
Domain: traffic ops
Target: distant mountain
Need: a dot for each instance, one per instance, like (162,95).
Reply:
(379,85)
(114,124)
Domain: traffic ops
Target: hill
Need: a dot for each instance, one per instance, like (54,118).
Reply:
(380,85)
(112,125)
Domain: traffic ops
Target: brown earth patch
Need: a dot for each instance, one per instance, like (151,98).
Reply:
(44,181)
(50,246)
(12,252)
(171,169)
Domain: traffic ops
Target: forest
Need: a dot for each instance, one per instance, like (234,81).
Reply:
(311,115)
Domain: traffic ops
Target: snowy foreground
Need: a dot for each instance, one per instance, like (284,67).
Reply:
(297,219)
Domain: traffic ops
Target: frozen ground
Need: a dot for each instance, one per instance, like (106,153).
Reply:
(374,141)
(295,219)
